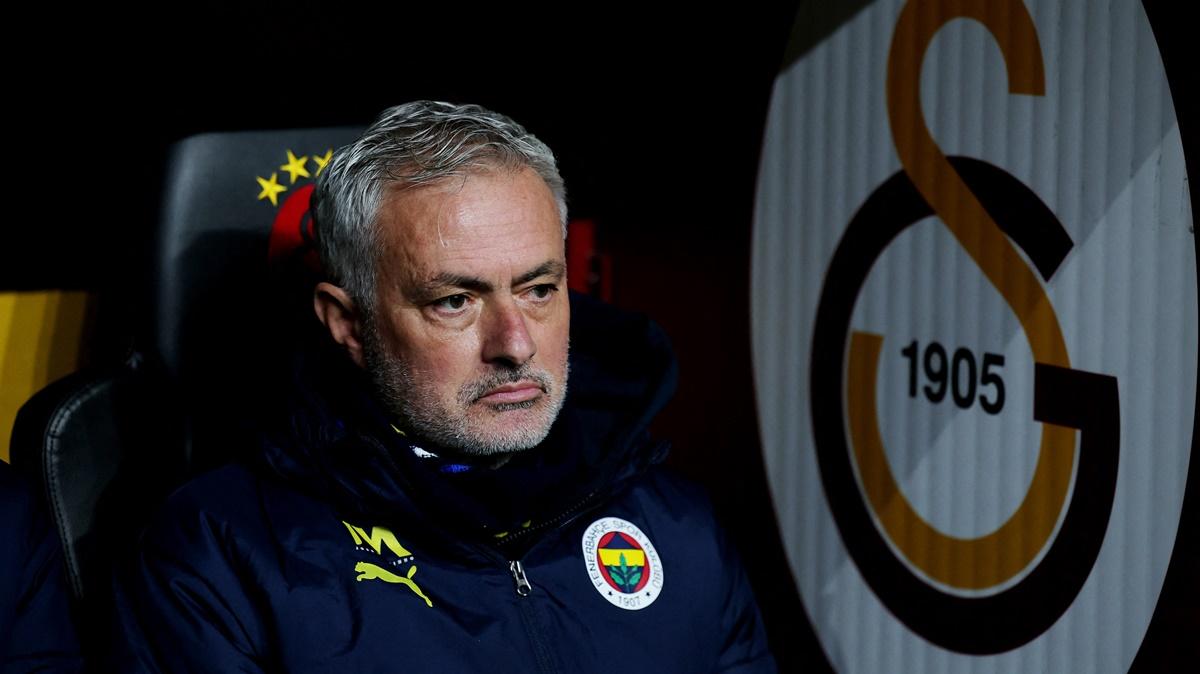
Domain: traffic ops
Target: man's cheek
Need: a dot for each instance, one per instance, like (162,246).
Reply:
(444,365)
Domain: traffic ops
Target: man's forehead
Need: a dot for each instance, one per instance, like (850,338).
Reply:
(498,222)
(411,209)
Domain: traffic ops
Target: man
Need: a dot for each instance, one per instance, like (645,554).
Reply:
(433,499)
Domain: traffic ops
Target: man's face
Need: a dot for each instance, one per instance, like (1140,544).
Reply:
(468,342)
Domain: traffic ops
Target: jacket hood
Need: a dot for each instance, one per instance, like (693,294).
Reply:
(332,439)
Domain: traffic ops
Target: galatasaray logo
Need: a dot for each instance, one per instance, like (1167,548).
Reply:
(966,282)
(622,563)
(291,231)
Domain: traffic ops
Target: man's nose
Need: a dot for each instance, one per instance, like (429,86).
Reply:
(506,335)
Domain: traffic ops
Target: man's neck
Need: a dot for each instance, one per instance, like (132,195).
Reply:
(422,449)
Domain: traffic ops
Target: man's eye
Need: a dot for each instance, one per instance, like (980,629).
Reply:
(543,291)
(452,303)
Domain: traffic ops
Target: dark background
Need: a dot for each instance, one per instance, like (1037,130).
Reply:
(657,115)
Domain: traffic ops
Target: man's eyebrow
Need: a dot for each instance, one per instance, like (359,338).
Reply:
(447,279)
(552,268)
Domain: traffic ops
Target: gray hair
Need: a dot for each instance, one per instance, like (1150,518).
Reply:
(410,145)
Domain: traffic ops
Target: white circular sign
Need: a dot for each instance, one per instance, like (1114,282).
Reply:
(974,311)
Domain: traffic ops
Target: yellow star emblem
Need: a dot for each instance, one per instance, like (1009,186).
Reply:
(323,160)
(270,189)
(295,166)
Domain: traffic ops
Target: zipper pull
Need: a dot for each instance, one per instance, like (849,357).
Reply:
(518,574)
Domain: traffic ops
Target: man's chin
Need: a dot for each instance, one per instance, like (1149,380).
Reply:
(507,428)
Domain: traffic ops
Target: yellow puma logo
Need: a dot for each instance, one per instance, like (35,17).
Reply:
(368,571)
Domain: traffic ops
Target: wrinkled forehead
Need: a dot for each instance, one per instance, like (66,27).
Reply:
(479,222)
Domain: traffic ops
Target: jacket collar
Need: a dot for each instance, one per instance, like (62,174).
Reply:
(336,442)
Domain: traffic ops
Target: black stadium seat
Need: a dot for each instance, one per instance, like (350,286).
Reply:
(108,443)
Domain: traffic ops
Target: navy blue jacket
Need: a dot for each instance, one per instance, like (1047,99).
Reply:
(36,633)
(343,547)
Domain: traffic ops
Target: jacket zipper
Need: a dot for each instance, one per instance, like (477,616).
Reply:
(518,574)
(515,568)
(564,518)
(589,502)
(542,652)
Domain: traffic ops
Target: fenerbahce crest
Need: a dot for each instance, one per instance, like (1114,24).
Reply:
(622,563)
(974,306)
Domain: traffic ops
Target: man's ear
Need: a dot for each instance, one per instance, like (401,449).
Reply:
(337,311)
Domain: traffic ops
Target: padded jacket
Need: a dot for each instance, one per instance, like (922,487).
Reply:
(343,545)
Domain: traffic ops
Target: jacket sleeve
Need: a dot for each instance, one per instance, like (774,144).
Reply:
(744,649)
(36,632)
(185,603)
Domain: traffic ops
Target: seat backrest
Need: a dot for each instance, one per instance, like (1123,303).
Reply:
(105,446)
(231,202)
(234,232)
(109,443)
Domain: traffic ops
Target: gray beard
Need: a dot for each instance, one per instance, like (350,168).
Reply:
(418,408)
